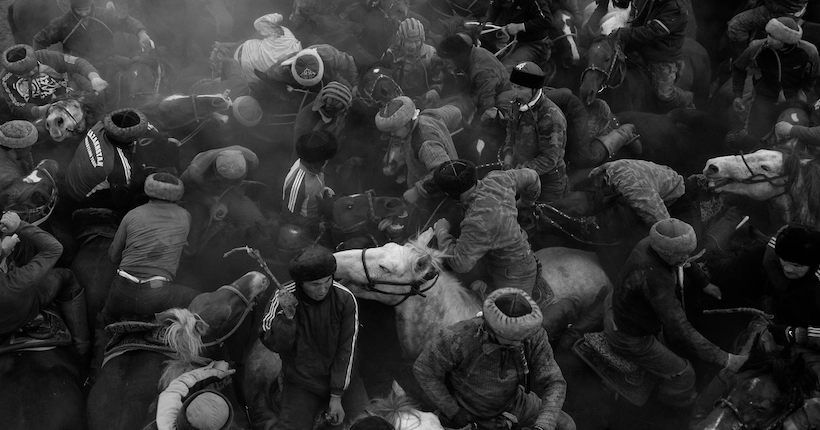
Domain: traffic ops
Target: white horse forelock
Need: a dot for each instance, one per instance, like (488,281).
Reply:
(616,18)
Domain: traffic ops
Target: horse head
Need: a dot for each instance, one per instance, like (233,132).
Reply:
(402,412)
(146,77)
(394,163)
(565,39)
(179,110)
(366,214)
(70,117)
(760,175)
(34,196)
(376,86)
(606,68)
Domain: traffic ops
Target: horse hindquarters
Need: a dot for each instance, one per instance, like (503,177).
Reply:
(126,387)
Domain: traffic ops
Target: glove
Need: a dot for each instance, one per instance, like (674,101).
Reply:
(288,302)
(335,411)
(783,129)
(9,223)
(40,111)
(739,105)
(734,362)
(8,243)
(462,418)
(713,290)
(146,44)
(507,165)
(411,196)
(490,113)
(441,226)
(99,84)
(514,28)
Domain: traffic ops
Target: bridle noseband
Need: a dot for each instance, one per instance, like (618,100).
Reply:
(763,178)
(415,286)
(617,58)
(249,305)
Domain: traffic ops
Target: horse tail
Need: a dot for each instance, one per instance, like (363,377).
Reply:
(15,32)
(185,340)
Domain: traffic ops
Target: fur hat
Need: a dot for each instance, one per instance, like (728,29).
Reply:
(247,111)
(395,114)
(313,263)
(76,4)
(454,46)
(372,423)
(19,59)
(316,146)
(334,94)
(410,28)
(671,237)
(798,244)
(512,314)
(125,125)
(164,186)
(528,74)
(784,29)
(307,67)
(455,177)
(231,164)
(18,134)
(205,410)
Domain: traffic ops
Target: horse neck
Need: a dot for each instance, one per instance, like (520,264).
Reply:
(782,206)
(349,264)
(445,304)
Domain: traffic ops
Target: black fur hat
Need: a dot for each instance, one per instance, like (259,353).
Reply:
(312,264)
(316,146)
(455,177)
(799,244)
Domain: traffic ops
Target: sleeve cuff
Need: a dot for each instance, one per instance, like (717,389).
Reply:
(337,392)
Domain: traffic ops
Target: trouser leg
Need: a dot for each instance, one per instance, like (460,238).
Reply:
(299,407)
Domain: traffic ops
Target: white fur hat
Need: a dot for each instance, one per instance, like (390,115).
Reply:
(785,30)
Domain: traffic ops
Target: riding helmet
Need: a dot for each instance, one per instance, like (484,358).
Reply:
(164,186)
(528,74)
(125,125)
(335,97)
(231,164)
(512,314)
(205,410)
(672,237)
(316,146)
(798,244)
(395,114)
(17,134)
(411,28)
(247,111)
(455,177)
(784,29)
(19,59)
(313,263)
(307,67)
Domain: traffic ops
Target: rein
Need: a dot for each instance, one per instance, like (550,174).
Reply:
(249,305)
(157,84)
(618,58)
(371,217)
(45,210)
(763,178)
(586,221)
(415,286)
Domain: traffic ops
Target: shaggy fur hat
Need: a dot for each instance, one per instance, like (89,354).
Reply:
(672,237)
(307,67)
(528,74)
(395,114)
(785,30)
(19,59)
(164,186)
(410,28)
(372,423)
(334,94)
(512,314)
(205,410)
(455,177)
(313,263)
(454,46)
(125,125)
(798,244)
(18,134)
(231,164)
(316,146)
(247,111)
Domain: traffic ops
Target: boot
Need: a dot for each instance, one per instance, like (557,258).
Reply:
(74,312)
(624,135)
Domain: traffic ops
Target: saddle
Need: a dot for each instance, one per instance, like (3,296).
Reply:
(618,373)
(95,222)
(132,335)
(45,335)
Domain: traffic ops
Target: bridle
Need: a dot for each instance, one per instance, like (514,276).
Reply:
(45,210)
(369,100)
(761,178)
(157,84)
(415,286)
(617,58)
(794,404)
(61,106)
(359,226)
(249,305)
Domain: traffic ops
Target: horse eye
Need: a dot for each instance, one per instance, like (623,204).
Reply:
(765,168)
(384,268)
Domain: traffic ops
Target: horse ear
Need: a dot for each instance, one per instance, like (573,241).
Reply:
(397,389)
(427,236)
(201,326)
(165,316)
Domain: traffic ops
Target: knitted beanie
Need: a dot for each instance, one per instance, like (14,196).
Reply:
(19,59)
(307,67)
(247,111)
(395,114)
(372,423)
(18,134)
(164,186)
(125,125)
(454,46)
(410,28)
(313,263)
(784,29)
(455,177)
(205,410)
(512,314)
(231,164)
(672,237)
(798,244)
(528,74)
(316,146)
(334,94)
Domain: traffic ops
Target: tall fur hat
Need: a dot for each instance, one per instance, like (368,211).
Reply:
(784,29)
(19,59)
(410,28)
(454,46)
(313,263)
(205,410)
(164,186)
(512,314)
(18,134)
(798,244)
(307,67)
(455,177)
(316,146)
(125,125)
(672,237)
(395,114)
(528,74)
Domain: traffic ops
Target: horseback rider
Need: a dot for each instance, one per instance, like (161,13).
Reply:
(783,66)
(327,113)
(644,302)
(260,54)
(33,79)
(214,193)
(424,138)
(479,78)
(191,402)
(744,25)
(529,22)
(147,248)
(87,31)
(313,324)
(656,32)
(313,65)
(416,67)
(496,370)
(16,139)
(28,286)
(490,227)
(536,132)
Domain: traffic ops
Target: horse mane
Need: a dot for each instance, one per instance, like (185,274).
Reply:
(790,374)
(421,250)
(393,407)
(613,20)
(804,180)
(184,339)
